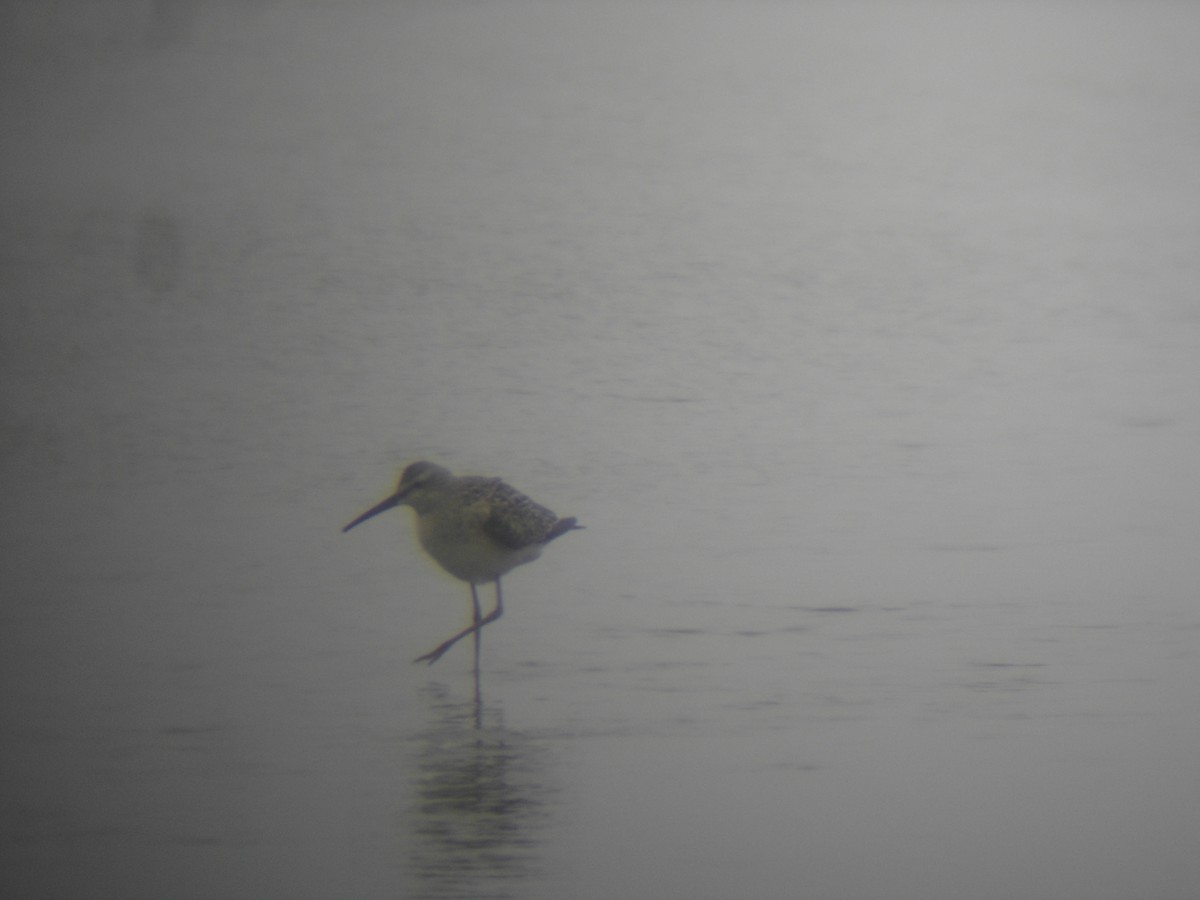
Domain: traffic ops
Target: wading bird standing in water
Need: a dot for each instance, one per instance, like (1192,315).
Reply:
(477,529)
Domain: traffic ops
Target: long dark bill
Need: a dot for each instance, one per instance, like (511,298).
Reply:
(382,506)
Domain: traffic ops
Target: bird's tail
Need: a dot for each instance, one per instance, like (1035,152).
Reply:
(561,527)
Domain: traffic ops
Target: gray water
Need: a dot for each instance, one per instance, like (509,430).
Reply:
(863,337)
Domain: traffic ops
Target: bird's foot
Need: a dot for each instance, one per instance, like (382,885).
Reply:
(437,652)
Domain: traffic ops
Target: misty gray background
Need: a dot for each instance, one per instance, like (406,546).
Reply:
(864,338)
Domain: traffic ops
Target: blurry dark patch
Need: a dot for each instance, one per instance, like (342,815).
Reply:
(793,767)
(963,548)
(187,730)
(158,253)
(1148,421)
(1006,665)
(170,24)
(652,399)
(196,840)
(662,665)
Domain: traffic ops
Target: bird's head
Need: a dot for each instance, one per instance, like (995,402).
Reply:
(415,480)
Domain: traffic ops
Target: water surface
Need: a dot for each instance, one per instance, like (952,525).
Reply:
(862,337)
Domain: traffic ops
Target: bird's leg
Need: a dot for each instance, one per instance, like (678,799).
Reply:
(476,619)
(439,651)
(476,615)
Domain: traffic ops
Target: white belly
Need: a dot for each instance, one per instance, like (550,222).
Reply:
(468,553)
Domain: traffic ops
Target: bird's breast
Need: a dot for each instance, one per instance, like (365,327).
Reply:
(460,546)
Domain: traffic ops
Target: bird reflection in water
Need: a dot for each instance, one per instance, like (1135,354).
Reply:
(481,802)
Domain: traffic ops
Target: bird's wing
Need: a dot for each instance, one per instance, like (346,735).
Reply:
(515,521)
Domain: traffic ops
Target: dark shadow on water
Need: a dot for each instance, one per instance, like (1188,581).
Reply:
(158,253)
(482,803)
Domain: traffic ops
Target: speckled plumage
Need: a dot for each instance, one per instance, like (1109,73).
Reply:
(476,528)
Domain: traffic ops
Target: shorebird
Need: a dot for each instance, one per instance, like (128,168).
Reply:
(475,528)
